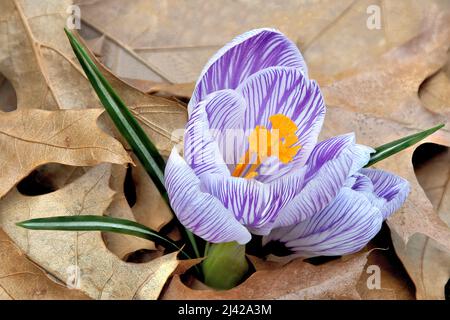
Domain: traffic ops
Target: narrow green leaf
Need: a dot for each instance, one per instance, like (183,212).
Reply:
(100,223)
(127,125)
(391,148)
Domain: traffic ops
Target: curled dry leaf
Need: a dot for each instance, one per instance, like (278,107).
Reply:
(435,92)
(21,279)
(82,256)
(297,280)
(30,138)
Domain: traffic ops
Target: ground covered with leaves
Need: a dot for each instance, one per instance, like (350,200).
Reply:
(60,154)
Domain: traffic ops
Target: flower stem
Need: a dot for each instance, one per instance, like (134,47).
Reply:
(225,265)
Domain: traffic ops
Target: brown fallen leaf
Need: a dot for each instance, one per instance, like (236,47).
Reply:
(435,91)
(394,282)
(150,208)
(30,138)
(21,279)
(391,84)
(8,99)
(120,244)
(36,58)
(81,258)
(297,280)
(430,259)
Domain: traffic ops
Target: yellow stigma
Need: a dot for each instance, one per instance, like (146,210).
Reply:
(264,143)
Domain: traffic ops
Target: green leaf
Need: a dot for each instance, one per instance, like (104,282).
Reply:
(100,223)
(391,148)
(127,125)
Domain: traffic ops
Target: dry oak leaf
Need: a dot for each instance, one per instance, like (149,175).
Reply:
(388,87)
(36,58)
(296,280)
(21,279)
(82,256)
(30,138)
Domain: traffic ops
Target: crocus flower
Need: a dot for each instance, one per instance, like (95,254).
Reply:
(273,175)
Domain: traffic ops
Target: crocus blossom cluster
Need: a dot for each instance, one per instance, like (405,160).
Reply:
(274,179)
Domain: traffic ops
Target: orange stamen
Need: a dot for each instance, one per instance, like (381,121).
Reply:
(265,143)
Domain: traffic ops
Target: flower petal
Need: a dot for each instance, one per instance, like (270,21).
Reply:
(331,148)
(343,227)
(225,111)
(201,150)
(246,54)
(329,166)
(392,189)
(198,211)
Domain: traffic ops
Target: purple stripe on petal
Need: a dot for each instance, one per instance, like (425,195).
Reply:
(328,168)
(318,192)
(253,203)
(343,227)
(198,211)
(246,54)
(281,90)
(391,188)
(201,150)
(362,183)
(225,110)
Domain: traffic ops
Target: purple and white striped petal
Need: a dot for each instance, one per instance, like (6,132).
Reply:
(286,91)
(243,56)
(225,112)
(343,227)
(198,211)
(254,204)
(390,190)
(201,150)
(329,166)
